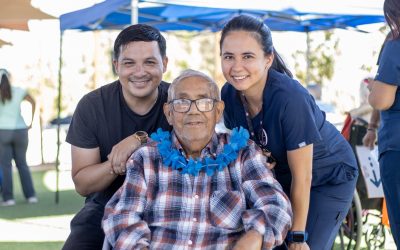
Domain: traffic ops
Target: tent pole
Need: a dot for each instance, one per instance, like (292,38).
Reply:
(58,120)
(134,11)
(308,62)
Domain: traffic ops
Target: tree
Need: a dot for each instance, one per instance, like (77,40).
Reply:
(367,67)
(319,60)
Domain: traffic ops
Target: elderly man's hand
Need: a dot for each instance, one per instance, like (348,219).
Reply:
(369,139)
(270,165)
(121,152)
(251,240)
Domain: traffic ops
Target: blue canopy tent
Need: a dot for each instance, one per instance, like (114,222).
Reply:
(199,15)
(168,15)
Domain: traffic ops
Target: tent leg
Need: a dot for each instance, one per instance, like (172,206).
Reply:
(134,11)
(308,62)
(58,121)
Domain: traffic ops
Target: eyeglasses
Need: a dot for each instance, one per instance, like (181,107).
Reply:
(183,105)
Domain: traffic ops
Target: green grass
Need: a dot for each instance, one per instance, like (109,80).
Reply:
(31,245)
(69,203)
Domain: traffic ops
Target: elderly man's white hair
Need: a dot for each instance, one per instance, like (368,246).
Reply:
(194,73)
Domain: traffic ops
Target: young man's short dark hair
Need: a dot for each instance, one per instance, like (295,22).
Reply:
(139,33)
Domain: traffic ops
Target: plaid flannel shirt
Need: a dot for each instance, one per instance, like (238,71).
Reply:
(161,208)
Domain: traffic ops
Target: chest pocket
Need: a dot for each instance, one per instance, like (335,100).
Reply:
(226,208)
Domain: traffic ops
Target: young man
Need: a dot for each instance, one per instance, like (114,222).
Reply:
(104,129)
(196,189)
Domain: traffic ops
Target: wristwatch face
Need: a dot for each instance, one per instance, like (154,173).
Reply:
(298,237)
(142,136)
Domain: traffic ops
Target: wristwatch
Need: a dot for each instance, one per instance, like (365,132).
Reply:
(141,136)
(297,236)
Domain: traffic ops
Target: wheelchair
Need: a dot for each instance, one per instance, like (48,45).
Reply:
(357,227)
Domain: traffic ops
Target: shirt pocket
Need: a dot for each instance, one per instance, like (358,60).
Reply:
(226,208)
(334,174)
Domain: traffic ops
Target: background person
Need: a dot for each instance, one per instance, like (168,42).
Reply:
(364,110)
(104,128)
(385,96)
(314,163)
(369,138)
(196,189)
(14,140)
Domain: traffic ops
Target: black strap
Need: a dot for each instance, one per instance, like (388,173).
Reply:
(251,128)
(247,113)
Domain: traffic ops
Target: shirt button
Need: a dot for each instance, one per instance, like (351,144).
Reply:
(196,196)
(190,242)
(194,219)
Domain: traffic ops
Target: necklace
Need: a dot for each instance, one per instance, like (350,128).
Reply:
(174,159)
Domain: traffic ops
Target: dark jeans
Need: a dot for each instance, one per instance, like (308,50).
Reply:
(13,145)
(86,232)
(390,175)
(329,205)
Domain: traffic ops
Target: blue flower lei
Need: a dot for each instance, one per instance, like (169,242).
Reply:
(173,158)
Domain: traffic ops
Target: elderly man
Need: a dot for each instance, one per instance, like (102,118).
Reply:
(195,189)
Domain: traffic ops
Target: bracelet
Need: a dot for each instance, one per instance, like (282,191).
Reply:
(141,136)
(371,129)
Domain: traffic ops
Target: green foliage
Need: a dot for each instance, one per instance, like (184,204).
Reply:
(384,30)
(321,60)
(186,37)
(168,76)
(207,50)
(182,64)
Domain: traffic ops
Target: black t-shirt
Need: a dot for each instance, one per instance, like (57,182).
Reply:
(102,119)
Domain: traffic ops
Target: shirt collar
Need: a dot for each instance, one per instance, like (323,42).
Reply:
(211,149)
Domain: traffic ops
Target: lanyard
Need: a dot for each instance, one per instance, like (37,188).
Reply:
(262,136)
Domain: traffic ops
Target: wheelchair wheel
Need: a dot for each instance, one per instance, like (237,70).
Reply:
(350,232)
(375,237)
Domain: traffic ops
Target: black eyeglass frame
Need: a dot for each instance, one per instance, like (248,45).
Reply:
(191,102)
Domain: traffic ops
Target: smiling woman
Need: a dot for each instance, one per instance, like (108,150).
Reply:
(313,161)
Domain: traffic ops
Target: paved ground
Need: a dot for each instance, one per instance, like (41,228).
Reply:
(39,229)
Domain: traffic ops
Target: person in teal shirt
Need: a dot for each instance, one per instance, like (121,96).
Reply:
(14,140)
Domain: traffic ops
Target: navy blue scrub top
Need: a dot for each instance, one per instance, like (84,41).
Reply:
(389,73)
(292,120)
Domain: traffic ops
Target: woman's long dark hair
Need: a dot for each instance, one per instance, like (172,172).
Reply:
(391,10)
(262,35)
(5,87)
